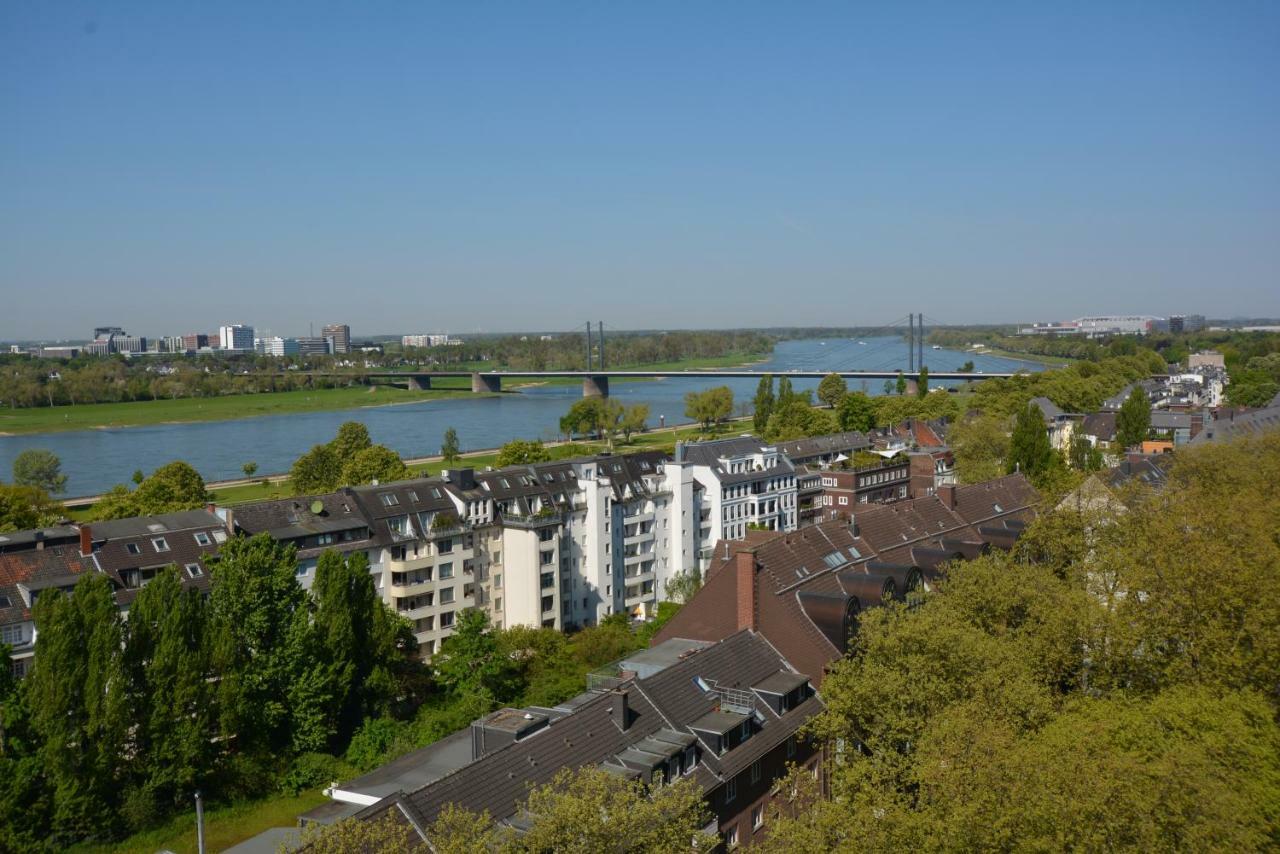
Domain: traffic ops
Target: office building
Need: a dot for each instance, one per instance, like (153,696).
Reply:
(341,335)
(236,337)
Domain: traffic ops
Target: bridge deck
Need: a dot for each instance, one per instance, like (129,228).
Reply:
(712,373)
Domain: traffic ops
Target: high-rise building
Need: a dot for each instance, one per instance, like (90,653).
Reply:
(195,341)
(314,346)
(341,335)
(113,339)
(236,337)
(1186,323)
(277,346)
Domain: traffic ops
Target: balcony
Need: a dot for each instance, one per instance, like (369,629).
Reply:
(531,522)
(636,518)
(411,564)
(412,588)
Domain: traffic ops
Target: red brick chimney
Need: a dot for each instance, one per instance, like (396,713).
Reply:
(86,540)
(947,494)
(745,567)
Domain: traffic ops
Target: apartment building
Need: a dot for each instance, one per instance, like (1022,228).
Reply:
(747,483)
(554,545)
(340,333)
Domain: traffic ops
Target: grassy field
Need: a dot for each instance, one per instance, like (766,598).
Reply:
(223,826)
(145,412)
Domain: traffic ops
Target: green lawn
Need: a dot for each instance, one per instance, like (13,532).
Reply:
(144,412)
(223,826)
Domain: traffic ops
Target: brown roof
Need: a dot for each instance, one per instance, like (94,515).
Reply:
(809,585)
(58,566)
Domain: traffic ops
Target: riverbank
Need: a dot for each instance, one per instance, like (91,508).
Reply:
(1051,361)
(272,486)
(142,413)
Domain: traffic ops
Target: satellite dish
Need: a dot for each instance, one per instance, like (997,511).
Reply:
(317,507)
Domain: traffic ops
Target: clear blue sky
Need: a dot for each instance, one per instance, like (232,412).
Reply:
(421,166)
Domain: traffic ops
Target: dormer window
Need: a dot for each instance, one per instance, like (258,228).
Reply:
(133,548)
(202,539)
(388,499)
(161,544)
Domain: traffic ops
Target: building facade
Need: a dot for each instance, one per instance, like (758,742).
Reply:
(340,333)
(236,337)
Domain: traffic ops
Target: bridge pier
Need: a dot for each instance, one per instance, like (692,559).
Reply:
(595,386)
(419,382)
(482,383)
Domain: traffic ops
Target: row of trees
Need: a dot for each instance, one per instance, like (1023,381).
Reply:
(1109,685)
(568,351)
(120,721)
(29,382)
(602,416)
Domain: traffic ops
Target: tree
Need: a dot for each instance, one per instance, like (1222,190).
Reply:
(471,660)
(167,666)
(450,451)
(25,507)
(922,382)
(682,586)
(633,420)
(709,407)
(353,836)
(520,452)
(856,412)
(352,438)
(41,469)
(796,420)
(582,811)
(832,389)
(258,613)
(966,368)
(79,707)
(585,417)
(249,469)
(763,404)
(318,470)
(364,645)
(1083,455)
(901,385)
(785,393)
(980,444)
(1029,449)
(1133,421)
(374,463)
(172,487)
(138,476)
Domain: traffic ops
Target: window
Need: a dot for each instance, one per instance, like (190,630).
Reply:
(446,596)
(446,620)
(731,790)
(731,837)
(548,558)
(446,570)
(548,580)
(14,635)
(194,570)
(757,817)
(791,746)
(132,548)
(755,771)
(161,544)
(202,539)
(746,729)
(497,557)
(388,499)
(5,602)
(497,580)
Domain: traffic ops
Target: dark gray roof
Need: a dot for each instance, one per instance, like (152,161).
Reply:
(799,450)
(1230,425)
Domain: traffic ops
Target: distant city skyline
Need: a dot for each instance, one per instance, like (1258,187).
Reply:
(460,168)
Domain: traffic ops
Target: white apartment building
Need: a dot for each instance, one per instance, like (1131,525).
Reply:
(747,482)
(551,545)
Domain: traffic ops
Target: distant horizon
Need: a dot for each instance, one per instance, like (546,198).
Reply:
(460,333)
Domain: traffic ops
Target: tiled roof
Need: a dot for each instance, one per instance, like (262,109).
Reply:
(1100,425)
(661,708)
(36,568)
(805,581)
(1230,425)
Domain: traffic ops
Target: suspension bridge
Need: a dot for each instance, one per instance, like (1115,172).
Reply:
(595,373)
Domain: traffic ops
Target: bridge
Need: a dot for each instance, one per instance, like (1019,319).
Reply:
(596,383)
(595,375)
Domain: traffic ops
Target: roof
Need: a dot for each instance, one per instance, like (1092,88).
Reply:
(35,569)
(1100,425)
(187,539)
(809,585)
(800,450)
(661,709)
(1230,425)
(1163,419)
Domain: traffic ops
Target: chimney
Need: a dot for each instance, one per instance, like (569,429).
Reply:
(947,493)
(745,567)
(619,710)
(86,540)
(39,541)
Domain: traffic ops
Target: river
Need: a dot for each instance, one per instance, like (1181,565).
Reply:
(94,460)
